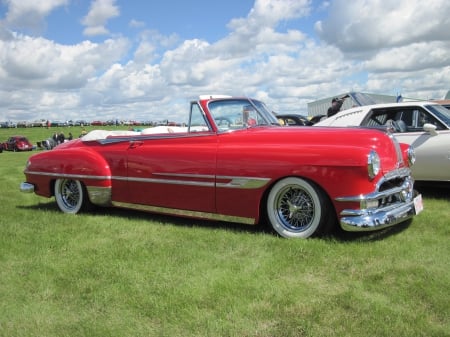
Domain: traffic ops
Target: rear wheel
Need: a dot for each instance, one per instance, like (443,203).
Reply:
(71,196)
(297,208)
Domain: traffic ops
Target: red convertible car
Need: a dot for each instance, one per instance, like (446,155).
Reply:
(17,143)
(233,162)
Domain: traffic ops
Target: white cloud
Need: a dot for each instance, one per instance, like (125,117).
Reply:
(371,25)
(136,24)
(46,77)
(29,14)
(27,62)
(270,13)
(100,12)
(403,45)
(412,57)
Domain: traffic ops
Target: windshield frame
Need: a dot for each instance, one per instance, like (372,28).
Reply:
(228,114)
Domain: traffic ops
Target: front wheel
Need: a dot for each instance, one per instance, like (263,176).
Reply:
(71,196)
(297,208)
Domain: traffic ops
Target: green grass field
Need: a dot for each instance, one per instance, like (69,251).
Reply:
(125,273)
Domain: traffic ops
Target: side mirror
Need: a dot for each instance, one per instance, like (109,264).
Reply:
(427,127)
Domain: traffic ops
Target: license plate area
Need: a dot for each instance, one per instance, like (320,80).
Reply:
(418,204)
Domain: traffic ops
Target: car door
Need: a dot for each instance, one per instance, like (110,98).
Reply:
(174,170)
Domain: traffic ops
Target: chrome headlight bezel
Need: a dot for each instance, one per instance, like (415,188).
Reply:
(373,164)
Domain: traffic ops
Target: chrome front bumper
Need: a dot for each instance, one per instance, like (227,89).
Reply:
(379,219)
(379,210)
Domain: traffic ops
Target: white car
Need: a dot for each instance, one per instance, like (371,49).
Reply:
(424,125)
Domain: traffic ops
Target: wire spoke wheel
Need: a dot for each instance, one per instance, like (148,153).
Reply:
(297,208)
(70,195)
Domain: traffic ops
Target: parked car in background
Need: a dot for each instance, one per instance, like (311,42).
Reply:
(58,123)
(423,125)
(98,123)
(232,161)
(293,119)
(317,118)
(17,143)
(39,123)
(81,122)
(8,124)
(24,124)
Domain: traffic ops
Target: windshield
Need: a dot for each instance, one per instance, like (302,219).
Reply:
(235,114)
(441,113)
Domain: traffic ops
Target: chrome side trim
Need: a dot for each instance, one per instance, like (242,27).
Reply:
(166,181)
(195,179)
(185,175)
(242,182)
(64,175)
(185,213)
(219,181)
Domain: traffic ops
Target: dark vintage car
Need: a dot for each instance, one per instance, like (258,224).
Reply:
(17,143)
(230,163)
(317,118)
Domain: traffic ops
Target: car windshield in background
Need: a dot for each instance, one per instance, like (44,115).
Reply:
(440,112)
(240,113)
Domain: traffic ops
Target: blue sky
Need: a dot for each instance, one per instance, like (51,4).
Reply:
(188,19)
(102,59)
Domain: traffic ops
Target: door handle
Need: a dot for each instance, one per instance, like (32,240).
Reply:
(135,143)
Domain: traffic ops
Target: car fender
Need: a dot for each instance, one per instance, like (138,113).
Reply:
(82,164)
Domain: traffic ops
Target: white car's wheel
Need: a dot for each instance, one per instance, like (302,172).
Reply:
(70,195)
(297,208)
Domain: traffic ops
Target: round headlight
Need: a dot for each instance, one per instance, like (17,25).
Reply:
(373,164)
(411,156)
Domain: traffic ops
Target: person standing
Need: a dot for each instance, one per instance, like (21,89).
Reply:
(336,104)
